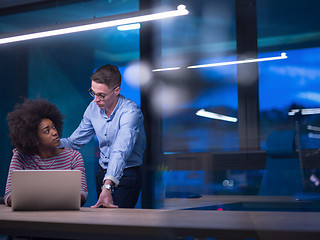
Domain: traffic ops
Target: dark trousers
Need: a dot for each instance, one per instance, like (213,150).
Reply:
(126,194)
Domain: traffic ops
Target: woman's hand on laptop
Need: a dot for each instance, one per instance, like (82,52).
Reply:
(9,201)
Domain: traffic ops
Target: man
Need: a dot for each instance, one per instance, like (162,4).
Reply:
(118,124)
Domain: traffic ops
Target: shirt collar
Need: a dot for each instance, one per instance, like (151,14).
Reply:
(119,103)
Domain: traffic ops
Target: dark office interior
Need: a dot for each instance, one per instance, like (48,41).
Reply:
(262,139)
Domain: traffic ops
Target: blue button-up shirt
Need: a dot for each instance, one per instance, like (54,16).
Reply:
(121,136)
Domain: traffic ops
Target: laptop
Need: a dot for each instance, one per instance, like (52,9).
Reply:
(45,190)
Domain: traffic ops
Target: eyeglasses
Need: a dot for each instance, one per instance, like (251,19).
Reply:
(100,96)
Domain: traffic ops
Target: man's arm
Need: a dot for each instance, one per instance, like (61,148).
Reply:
(130,124)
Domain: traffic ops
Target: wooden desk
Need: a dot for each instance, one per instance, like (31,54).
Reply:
(160,224)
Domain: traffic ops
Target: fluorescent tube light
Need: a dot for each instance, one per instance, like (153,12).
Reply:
(283,56)
(129,27)
(204,113)
(310,111)
(166,69)
(98,23)
(293,112)
(305,111)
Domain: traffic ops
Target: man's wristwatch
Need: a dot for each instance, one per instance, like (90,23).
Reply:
(108,186)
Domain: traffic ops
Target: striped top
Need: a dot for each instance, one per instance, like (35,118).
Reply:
(68,159)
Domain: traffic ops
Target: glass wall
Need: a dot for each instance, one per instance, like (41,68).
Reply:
(289,96)
(202,154)
(292,83)
(199,105)
(207,35)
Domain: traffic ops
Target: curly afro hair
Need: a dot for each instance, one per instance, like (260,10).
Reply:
(24,120)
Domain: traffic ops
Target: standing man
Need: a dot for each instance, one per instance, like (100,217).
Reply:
(118,124)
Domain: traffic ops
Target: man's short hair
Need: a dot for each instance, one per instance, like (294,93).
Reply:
(108,75)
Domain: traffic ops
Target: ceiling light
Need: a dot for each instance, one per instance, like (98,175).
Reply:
(204,113)
(96,23)
(165,69)
(305,111)
(129,27)
(310,111)
(283,56)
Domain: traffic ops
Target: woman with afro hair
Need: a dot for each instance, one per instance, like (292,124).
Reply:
(35,129)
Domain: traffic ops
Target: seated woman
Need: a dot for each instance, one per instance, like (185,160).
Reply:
(35,127)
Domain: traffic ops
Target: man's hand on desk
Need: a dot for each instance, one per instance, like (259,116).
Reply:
(105,198)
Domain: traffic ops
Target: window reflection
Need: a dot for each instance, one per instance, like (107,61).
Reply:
(206,35)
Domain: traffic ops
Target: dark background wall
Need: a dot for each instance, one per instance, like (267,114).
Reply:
(14,84)
(57,70)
